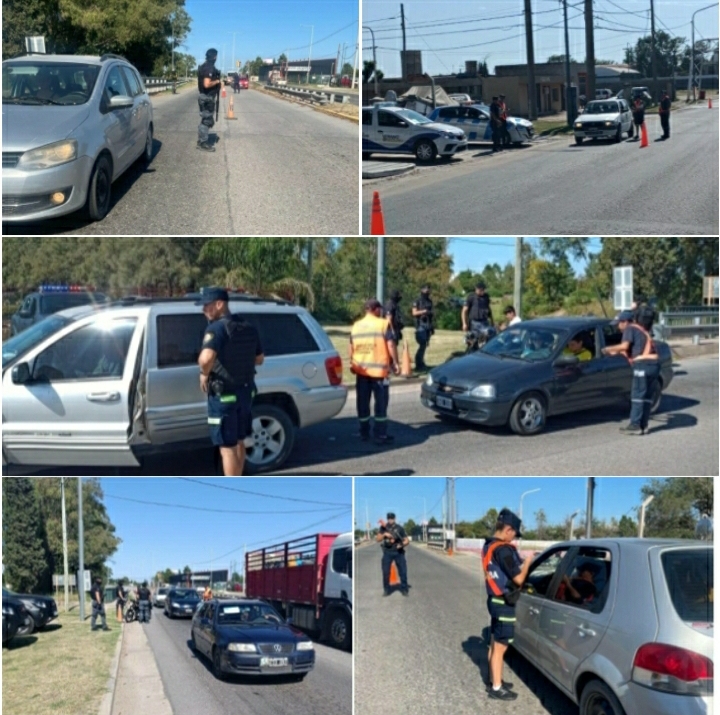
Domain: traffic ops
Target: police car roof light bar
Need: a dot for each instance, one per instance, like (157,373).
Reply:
(64,288)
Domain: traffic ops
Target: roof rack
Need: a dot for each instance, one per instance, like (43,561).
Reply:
(111,56)
(240,297)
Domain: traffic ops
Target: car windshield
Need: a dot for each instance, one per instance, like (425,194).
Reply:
(247,614)
(185,594)
(524,343)
(56,302)
(689,577)
(41,82)
(412,117)
(18,345)
(602,108)
(162,592)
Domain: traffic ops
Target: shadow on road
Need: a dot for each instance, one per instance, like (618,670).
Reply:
(51,627)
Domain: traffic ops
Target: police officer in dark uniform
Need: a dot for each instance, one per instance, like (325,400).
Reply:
(143,594)
(504,133)
(496,124)
(664,112)
(505,573)
(393,540)
(120,600)
(230,351)
(476,314)
(209,87)
(422,310)
(98,605)
(394,315)
(638,346)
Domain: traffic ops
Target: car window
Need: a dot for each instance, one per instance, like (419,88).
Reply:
(282,333)
(28,305)
(689,578)
(60,301)
(342,561)
(132,82)
(42,81)
(202,611)
(586,580)
(26,340)
(474,113)
(94,352)
(586,338)
(248,613)
(612,335)
(367,117)
(114,85)
(449,112)
(543,571)
(210,611)
(387,119)
(179,338)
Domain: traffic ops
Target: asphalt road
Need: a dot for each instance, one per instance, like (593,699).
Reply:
(428,652)
(192,688)
(682,441)
(280,169)
(599,188)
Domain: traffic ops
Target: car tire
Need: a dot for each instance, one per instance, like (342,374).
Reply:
(425,150)
(597,699)
(618,135)
(271,426)
(340,630)
(147,156)
(169,615)
(579,140)
(27,629)
(217,665)
(99,190)
(529,414)
(193,644)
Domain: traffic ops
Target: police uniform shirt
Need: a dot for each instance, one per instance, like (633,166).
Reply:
(666,104)
(143,594)
(120,593)
(392,312)
(397,531)
(423,303)
(505,558)
(95,590)
(636,339)
(247,343)
(206,69)
(479,306)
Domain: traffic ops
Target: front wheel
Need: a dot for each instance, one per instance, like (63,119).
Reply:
(656,398)
(341,631)
(425,150)
(618,135)
(217,665)
(98,200)
(631,132)
(598,699)
(27,628)
(528,415)
(130,615)
(147,155)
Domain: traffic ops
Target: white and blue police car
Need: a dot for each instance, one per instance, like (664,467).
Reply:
(394,130)
(474,120)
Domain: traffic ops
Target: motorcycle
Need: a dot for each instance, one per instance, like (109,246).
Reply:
(131,612)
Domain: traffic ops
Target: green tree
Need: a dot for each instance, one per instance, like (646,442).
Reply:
(678,504)
(627,527)
(367,70)
(348,69)
(483,70)
(25,554)
(557,59)
(668,51)
(410,526)
(432,521)
(541,524)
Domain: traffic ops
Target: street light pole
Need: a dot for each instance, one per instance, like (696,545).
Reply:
(572,521)
(65,546)
(370,30)
(589,509)
(312,31)
(691,74)
(522,496)
(643,506)
(517,292)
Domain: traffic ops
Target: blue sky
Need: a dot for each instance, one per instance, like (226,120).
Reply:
(156,537)
(485,32)
(267,28)
(475,252)
(558,497)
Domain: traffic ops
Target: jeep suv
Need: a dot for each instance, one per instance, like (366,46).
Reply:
(107,385)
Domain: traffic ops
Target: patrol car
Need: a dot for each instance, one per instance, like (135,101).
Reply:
(474,120)
(394,130)
(604,119)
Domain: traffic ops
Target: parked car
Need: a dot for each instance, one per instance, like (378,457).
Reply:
(72,124)
(523,376)
(15,617)
(461,98)
(249,637)
(159,596)
(181,602)
(393,130)
(622,626)
(606,119)
(40,610)
(475,122)
(49,299)
(108,386)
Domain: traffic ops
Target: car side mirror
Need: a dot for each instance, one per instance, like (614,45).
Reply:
(20,374)
(121,100)
(565,360)
(25,313)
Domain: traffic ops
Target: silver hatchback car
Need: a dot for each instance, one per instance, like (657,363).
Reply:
(623,626)
(71,125)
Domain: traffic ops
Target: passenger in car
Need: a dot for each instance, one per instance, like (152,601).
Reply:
(581,589)
(575,347)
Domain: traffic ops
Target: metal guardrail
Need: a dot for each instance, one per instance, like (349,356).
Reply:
(695,322)
(308,95)
(154,85)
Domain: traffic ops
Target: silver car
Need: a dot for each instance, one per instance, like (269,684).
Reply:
(106,385)
(623,626)
(159,596)
(72,125)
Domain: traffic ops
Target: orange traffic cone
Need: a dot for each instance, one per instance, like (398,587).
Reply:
(406,367)
(394,577)
(377,221)
(223,93)
(709,102)
(644,134)
(231,110)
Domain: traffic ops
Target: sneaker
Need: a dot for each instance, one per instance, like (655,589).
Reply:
(405,592)
(386,593)
(205,146)
(502,694)
(385,439)
(505,685)
(105,628)
(632,430)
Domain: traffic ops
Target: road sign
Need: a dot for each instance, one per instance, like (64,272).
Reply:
(59,580)
(87,583)
(623,287)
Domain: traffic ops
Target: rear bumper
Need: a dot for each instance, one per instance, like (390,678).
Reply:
(638,699)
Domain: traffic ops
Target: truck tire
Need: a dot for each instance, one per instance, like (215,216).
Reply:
(274,436)
(339,630)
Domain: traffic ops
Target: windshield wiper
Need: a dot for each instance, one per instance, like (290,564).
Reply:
(29,100)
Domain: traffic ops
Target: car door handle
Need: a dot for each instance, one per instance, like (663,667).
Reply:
(103,396)
(582,632)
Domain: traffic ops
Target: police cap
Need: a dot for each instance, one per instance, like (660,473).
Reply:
(210,295)
(512,520)
(390,515)
(625,316)
(211,54)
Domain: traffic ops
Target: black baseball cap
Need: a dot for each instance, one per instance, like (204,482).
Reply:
(210,295)
(396,295)
(390,515)
(211,54)
(424,287)
(511,519)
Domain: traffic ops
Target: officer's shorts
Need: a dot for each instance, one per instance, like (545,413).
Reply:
(502,620)
(230,417)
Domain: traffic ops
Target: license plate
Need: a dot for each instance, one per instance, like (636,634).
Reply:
(445,402)
(273,662)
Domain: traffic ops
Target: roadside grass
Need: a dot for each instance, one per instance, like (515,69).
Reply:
(547,128)
(62,669)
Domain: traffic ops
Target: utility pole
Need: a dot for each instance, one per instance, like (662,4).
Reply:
(589,509)
(380,278)
(337,63)
(367,520)
(653,53)
(570,110)
(532,93)
(66,578)
(517,293)
(589,51)
(402,25)
(357,53)
(372,34)
(310,260)
(691,74)
(312,32)
(81,554)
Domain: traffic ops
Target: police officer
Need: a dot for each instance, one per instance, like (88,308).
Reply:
(505,573)
(393,539)
(477,310)
(394,315)
(643,313)
(638,116)
(373,355)
(504,133)
(664,112)
(496,124)
(120,600)
(230,352)
(98,605)
(422,310)
(209,87)
(143,594)
(638,346)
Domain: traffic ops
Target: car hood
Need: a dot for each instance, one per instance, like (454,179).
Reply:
(27,127)
(440,127)
(519,122)
(612,117)
(260,634)
(470,370)
(184,601)
(46,600)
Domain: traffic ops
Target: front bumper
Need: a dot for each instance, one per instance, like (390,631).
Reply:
(451,147)
(249,663)
(182,611)
(492,413)
(25,194)
(597,133)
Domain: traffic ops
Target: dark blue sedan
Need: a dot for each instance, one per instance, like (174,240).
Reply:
(249,637)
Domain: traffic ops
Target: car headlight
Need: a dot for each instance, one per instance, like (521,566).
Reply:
(487,391)
(429,380)
(578,125)
(50,155)
(610,124)
(8,611)
(305,645)
(242,647)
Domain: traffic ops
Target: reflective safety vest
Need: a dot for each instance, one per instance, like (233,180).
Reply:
(368,350)
(497,581)
(649,352)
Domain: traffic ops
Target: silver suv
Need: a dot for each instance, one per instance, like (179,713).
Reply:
(106,385)
(72,124)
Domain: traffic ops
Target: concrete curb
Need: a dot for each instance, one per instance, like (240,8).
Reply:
(106,705)
(377,170)
(681,352)
(324,109)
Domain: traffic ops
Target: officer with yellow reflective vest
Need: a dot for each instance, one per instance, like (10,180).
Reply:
(373,354)
(505,573)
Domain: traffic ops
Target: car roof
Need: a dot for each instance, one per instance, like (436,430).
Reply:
(244,601)
(65,59)
(564,322)
(636,544)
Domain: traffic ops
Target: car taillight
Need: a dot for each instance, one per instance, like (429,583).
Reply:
(334,369)
(672,669)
